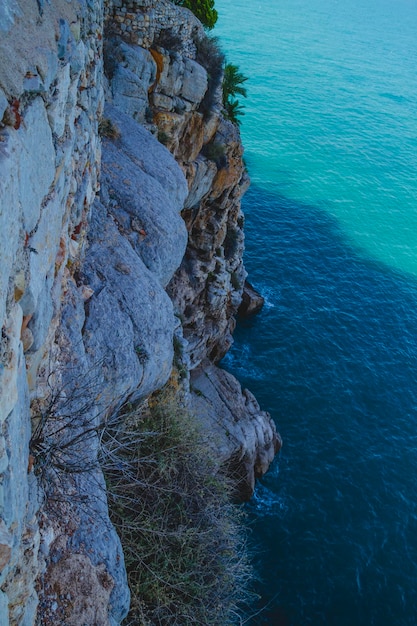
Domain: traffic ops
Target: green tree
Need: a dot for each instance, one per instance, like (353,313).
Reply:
(233,81)
(233,110)
(203,9)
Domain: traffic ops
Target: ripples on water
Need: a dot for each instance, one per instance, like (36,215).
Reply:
(334,356)
(330,134)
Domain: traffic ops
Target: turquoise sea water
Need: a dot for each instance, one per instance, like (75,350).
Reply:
(331,219)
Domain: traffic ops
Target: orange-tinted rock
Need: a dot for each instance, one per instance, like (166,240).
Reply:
(191,140)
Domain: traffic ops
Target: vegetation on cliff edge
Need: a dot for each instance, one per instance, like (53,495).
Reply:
(203,9)
(233,80)
(182,537)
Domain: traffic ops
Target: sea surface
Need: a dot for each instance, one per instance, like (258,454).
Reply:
(331,242)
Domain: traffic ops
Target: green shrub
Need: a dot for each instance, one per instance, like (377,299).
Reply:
(211,57)
(215,151)
(182,538)
(203,9)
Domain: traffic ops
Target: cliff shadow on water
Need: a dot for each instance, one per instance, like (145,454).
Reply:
(333,357)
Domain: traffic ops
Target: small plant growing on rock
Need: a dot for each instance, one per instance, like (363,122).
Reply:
(106,128)
(63,426)
(215,151)
(169,39)
(163,137)
(211,57)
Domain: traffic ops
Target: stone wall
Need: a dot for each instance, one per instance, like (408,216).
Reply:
(141,22)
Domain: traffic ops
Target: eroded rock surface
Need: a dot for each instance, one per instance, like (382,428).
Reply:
(252,301)
(145,190)
(242,436)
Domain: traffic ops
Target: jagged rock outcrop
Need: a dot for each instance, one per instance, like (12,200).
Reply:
(252,301)
(250,444)
(94,286)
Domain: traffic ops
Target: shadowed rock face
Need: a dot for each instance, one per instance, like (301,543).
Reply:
(252,301)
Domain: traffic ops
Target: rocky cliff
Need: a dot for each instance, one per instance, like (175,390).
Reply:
(121,241)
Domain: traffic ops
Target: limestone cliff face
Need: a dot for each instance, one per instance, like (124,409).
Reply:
(111,244)
(169,84)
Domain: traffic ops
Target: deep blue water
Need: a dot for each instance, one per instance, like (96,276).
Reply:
(334,357)
(331,227)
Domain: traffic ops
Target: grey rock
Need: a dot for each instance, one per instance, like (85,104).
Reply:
(47,66)
(133,71)
(84,396)
(204,172)
(96,537)
(39,324)
(170,80)
(78,58)
(4,609)
(17,498)
(162,101)
(27,169)
(65,41)
(3,104)
(243,437)
(147,191)
(151,157)
(18,432)
(9,231)
(4,460)
(9,385)
(194,84)
(58,107)
(41,4)
(9,10)
(6,543)
(130,94)
(130,321)
(28,303)
(138,60)
(45,243)
(36,163)
(33,83)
